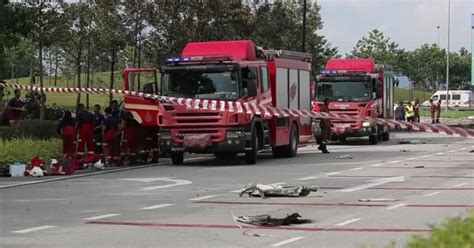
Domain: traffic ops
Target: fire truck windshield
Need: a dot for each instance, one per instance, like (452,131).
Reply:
(347,91)
(202,83)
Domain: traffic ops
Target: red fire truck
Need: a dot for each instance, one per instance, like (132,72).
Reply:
(355,87)
(234,71)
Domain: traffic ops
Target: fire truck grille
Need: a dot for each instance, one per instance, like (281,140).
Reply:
(198,118)
(350,112)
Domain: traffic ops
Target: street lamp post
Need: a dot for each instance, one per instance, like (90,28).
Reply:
(303,43)
(447,56)
(437,27)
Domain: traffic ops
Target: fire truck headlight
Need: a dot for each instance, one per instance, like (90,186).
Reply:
(366,124)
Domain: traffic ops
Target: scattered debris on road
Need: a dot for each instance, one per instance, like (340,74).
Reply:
(404,150)
(414,142)
(419,166)
(271,190)
(346,156)
(471,151)
(378,200)
(267,220)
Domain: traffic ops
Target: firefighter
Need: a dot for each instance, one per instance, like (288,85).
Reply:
(67,129)
(438,110)
(151,145)
(85,125)
(130,135)
(110,126)
(325,126)
(15,108)
(432,111)
(98,128)
(410,112)
(416,107)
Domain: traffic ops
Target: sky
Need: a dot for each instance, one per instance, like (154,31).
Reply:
(410,23)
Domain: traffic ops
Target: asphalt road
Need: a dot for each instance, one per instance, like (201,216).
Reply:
(409,186)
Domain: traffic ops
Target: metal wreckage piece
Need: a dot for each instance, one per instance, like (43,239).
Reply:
(267,220)
(269,190)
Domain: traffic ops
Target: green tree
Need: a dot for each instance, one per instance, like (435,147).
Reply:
(380,48)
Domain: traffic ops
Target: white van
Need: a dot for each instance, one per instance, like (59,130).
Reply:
(456,98)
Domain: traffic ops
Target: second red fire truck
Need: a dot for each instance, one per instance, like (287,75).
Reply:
(356,87)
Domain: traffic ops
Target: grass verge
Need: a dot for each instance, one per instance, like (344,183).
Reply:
(24,149)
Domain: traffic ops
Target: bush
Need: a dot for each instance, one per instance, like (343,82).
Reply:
(24,149)
(39,129)
(455,232)
(7,132)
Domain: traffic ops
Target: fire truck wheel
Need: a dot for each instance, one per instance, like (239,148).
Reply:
(251,156)
(292,148)
(177,158)
(342,139)
(386,136)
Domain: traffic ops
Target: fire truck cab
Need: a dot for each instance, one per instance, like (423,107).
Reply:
(234,71)
(355,87)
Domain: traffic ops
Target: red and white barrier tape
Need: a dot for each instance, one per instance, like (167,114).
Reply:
(252,108)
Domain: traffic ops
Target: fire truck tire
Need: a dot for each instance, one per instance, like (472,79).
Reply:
(251,155)
(342,139)
(292,149)
(177,158)
(386,136)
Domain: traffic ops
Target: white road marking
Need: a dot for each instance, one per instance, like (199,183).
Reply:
(459,185)
(376,165)
(202,197)
(451,151)
(279,183)
(425,156)
(393,162)
(156,206)
(462,149)
(142,180)
(373,183)
(307,178)
(235,191)
(99,217)
(396,206)
(175,182)
(439,153)
(411,158)
(333,173)
(33,229)
(432,194)
(347,222)
(356,169)
(284,242)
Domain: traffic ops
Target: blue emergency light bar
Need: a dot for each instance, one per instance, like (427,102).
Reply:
(328,72)
(177,59)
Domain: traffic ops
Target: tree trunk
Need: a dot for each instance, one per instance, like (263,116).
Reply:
(50,68)
(56,71)
(88,69)
(42,99)
(112,67)
(78,74)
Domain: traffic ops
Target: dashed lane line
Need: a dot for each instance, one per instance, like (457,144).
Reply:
(376,165)
(33,229)
(284,242)
(347,222)
(432,194)
(357,168)
(439,153)
(156,206)
(307,178)
(411,158)
(333,173)
(100,217)
(396,206)
(393,162)
(202,197)
(426,156)
(279,183)
(459,185)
